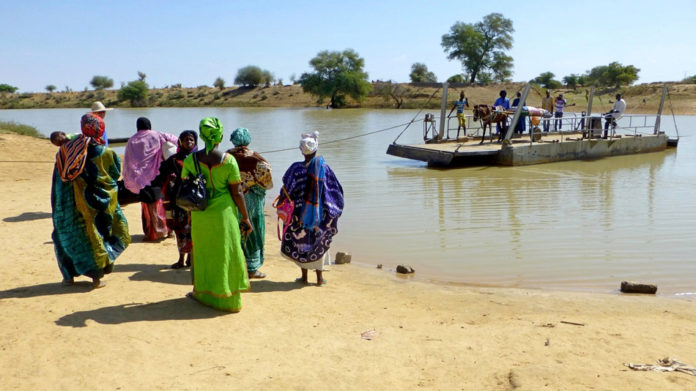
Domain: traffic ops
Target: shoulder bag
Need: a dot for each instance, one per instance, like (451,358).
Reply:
(192,194)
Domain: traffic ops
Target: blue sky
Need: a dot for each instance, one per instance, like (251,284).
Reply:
(66,42)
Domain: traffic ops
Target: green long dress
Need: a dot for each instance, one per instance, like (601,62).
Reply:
(219,269)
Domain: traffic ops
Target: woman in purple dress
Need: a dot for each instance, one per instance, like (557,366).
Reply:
(318,199)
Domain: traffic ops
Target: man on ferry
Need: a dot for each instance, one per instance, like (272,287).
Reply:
(615,113)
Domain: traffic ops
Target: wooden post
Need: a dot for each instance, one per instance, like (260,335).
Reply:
(518,112)
(443,112)
(659,110)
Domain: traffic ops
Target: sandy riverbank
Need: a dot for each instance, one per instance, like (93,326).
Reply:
(140,332)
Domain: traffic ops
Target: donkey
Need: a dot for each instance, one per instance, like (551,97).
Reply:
(488,117)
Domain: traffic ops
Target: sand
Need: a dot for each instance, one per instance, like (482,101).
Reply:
(141,332)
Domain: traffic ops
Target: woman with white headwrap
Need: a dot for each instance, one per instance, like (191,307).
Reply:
(318,198)
(219,270)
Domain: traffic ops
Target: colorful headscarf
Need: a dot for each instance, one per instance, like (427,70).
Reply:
(93,126)
(211,132)
(309,143)
(240,137)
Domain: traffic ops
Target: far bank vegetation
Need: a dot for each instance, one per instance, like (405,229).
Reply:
(642,98)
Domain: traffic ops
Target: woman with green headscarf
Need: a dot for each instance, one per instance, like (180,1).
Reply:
(219,270)
(256,179)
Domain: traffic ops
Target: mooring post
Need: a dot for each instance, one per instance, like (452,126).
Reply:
(443,111)
(589,108)
(659,110)
(518,112)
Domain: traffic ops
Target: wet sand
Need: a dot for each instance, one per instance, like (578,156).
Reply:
(141,332)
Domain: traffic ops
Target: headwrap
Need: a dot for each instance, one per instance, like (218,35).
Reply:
(188,133)
(240,137)
(143,123)
(72,156)
(211,132)
(309,143)
(93,126)
(180,152)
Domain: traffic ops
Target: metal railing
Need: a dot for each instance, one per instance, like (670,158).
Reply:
(570,123)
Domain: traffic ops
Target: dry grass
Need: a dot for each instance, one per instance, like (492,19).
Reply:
(643,98)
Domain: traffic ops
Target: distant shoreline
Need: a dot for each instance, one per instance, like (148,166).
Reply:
(642,98)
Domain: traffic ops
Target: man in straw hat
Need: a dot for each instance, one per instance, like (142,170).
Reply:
(100,110)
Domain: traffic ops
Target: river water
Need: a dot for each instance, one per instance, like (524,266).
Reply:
(581,225)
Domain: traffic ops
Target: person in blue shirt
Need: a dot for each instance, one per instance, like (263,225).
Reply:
(459,105)
(503,102)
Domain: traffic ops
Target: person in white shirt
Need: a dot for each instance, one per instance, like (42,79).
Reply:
(615,113)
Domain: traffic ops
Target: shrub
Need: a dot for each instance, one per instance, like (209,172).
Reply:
(135,92)
(8,88)
(219,83)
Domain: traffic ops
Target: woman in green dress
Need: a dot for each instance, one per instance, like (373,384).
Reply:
(219,269)
(256,179)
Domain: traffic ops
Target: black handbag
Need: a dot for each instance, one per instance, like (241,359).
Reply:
(192,194)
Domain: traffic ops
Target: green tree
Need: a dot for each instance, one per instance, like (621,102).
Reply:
(135,92)
(546,80)
(249,76)
(481,47)
(50,88)
(219,83)
(141,76)
(101,82)
(420,74)
(8,88)
(690,79)
(613,75)
(268,78)
(571,81)
(336,74)
(458,78)
(394,91)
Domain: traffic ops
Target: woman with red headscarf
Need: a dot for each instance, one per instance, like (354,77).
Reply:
(89,228)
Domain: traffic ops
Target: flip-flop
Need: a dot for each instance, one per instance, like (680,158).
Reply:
(257,274)
(177,266)
(69,282)
(324,282)
(299,280)
(100,285)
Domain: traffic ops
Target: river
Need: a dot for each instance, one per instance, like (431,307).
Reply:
(581,225)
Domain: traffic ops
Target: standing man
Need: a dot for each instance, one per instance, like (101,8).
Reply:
(503,102)
(459,105)
(615,113)
(547,104)
(558,114)
(100,110)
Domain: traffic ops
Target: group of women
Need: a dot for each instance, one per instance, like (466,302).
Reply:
(224,243)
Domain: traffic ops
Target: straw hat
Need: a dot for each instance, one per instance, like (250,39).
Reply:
(98,106)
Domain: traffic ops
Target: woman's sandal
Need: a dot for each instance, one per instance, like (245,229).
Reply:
(257,274)
(299,280)
(178,265)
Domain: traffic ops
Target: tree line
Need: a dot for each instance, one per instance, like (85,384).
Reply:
(481,47)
